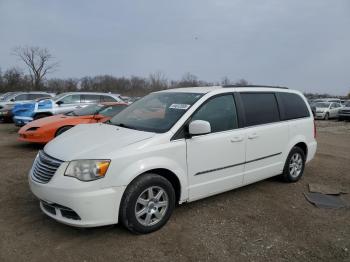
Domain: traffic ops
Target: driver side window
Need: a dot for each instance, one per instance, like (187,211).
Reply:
(220,112)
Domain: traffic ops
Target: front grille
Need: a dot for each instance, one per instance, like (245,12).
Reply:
(345,111)
(44,167)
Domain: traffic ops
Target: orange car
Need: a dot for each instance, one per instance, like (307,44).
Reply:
(45,129)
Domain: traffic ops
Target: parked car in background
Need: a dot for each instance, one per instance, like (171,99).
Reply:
(6,113)
(12,98)
(327,110)
(130,100)
(45,129)
(63,103)
(22,97)
(344,112)
(4,95)
(208,140)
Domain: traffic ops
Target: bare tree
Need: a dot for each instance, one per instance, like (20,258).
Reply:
(242,82)
(226,81)
(39,62)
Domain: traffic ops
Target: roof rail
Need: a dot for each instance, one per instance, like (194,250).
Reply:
(264,86)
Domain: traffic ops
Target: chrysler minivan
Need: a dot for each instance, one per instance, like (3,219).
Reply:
(172,147)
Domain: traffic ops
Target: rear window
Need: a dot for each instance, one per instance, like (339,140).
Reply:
(260,108)
(108,99)
(294,106)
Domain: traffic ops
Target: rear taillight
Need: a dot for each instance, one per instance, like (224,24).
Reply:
(315,133)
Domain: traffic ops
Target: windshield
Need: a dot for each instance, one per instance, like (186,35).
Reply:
(85,111)
(56,98)
(322,105)
(6,96)
(347,104)
(110,111)
(156,112)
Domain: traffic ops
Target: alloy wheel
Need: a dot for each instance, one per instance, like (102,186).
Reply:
(151,206)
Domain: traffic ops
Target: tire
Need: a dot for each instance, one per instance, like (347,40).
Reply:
(296,157)
(62,130)
(326,116)
(137,199)
(38,116)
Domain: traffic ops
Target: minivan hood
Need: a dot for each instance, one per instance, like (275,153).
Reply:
(93,141)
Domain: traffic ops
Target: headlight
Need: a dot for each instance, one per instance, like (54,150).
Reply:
(87,170)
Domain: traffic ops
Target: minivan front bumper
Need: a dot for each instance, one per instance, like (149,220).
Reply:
(78,207)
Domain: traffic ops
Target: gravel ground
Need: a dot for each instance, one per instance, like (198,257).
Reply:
(266,221)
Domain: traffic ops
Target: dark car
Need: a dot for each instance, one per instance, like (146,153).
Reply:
(6,113)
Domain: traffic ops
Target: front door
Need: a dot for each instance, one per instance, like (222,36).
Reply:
(215,161)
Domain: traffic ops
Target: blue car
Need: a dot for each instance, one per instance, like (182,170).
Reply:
(26,112)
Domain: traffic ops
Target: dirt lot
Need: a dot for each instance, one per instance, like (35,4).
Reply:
(266,221)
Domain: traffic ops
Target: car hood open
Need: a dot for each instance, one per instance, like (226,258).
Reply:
(93,141)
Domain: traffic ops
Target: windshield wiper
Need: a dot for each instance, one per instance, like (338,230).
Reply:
(124,125)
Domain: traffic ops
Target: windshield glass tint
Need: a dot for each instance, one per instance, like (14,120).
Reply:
(322,105)
(56,98)
(89,110)
(111,111)
(156,112)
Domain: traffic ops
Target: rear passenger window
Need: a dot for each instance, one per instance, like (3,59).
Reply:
(260,108)
(91,98)
(220,112)
(293,105)
(21,97)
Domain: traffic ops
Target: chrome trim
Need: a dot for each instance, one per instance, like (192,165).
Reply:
(44,167)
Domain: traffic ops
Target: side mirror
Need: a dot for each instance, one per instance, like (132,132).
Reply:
(199,127)
(59,103)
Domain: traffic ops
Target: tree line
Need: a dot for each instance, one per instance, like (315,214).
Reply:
(13,79)
(39,63)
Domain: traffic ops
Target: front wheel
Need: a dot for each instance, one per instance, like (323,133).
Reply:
(147,204)
(326,116)
(294,166)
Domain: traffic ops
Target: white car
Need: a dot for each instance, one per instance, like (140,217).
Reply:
(327,110)
(12,98)
(171,147)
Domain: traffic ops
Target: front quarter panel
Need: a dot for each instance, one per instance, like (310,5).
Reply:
(170,155)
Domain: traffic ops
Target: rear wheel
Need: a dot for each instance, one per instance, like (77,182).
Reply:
(147,204)
(62,130)
(294,166)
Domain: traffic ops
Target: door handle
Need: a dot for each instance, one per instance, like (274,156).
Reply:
(236,139)
(253,136)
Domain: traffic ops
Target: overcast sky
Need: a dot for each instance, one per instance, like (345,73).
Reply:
(303,44)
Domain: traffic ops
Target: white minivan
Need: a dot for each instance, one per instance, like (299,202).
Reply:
(172,147)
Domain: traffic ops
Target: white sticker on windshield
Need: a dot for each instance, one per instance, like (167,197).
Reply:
(179,106)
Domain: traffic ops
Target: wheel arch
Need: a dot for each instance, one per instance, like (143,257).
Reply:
(167,174)
(298,141)
(165,167)
(302,146)
(42,113)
